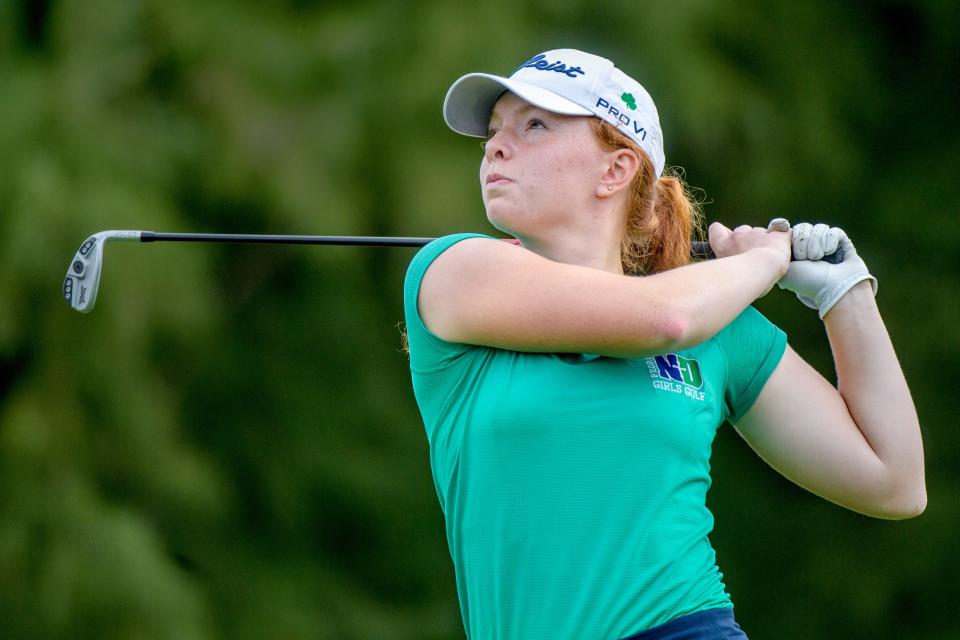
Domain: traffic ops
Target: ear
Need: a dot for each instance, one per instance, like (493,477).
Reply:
(622,166)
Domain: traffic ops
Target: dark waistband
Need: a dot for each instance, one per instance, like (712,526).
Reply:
(712,624)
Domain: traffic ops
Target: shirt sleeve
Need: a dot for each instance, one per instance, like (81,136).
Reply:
(428,352)
(753,347)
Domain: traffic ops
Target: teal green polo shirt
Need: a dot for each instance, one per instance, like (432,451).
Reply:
(574,486)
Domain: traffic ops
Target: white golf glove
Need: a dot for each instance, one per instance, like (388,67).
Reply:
(819,284)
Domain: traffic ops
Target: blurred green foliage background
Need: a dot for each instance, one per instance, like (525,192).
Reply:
(228,447)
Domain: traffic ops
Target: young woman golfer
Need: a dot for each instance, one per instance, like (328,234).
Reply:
(571,386)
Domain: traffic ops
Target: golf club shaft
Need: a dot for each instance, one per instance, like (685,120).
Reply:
(248,238)
(699,249)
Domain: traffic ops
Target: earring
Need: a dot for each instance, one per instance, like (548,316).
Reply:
(609,187)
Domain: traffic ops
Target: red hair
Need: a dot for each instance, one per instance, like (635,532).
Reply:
(661,214)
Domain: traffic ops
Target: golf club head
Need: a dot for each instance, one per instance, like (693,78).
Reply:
(83,275)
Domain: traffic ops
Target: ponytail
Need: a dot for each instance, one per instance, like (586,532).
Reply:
(662,216)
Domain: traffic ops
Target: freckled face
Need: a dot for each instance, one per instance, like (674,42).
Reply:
(539,168)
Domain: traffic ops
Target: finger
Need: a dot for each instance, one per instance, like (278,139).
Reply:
(832,242)
(818,236)
(743,227)
(779,224)
(801,236)
(716,234)
(845,245)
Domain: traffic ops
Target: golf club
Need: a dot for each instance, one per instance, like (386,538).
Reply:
(83,275)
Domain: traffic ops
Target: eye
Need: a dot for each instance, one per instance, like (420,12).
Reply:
(491,133)
(536,123)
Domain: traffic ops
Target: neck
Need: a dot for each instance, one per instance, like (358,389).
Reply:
(589,244)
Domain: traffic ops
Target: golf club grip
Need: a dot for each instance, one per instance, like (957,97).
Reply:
(701,249)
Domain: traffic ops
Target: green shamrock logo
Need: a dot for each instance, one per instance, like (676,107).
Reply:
(629,100)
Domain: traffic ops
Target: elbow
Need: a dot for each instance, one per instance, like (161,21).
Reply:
(674,331)
(913,508)
(906,505)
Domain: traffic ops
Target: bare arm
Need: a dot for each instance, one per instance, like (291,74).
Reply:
(857,445)
(491,293)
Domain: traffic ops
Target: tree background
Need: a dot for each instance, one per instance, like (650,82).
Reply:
(229,447)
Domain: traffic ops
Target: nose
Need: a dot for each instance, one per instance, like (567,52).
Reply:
(497,146)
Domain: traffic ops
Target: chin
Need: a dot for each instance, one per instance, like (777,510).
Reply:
(512,227)
(503,218)
(519,222)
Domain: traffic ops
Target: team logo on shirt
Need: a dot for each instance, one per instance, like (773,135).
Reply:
(677,374)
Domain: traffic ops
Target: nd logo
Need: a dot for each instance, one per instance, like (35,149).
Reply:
(674,367)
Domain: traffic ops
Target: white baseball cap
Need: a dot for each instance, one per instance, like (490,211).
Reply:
(565,81)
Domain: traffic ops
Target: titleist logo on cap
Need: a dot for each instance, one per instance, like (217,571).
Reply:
(539,62)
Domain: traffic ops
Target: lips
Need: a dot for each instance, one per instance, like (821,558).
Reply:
(494,178)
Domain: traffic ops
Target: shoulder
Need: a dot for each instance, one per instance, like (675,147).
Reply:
(466,258)
(450,261)
(432,250)
(461,278)
(428,349)
(429,253)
